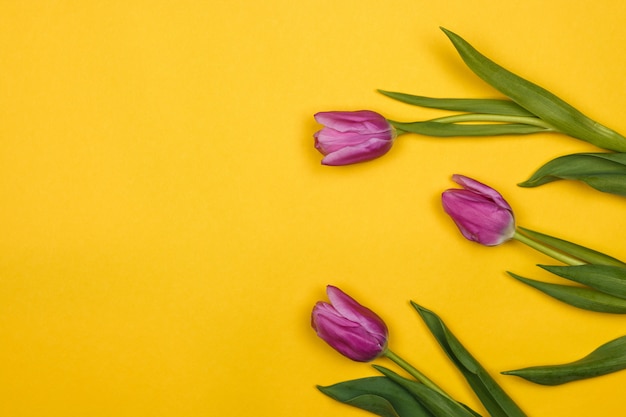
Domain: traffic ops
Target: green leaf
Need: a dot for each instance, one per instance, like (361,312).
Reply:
(607,279)
(538,100)
(585,254)
(494,398)
(603,171)
(429,128)
(584,298)
(437,404)
(378,395)
(487,106)
(608,358)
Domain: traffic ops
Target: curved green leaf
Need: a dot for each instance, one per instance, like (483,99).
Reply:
(608,358)
(603,171)
(469,105)
(378,395)
(585,254)
(496,401)
(429,128)
(437,404)
(584,298)
(538,100)
(607,279)
(374,404)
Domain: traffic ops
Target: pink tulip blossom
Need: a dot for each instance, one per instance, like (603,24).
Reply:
(353,330)
(352,137)
(480,212)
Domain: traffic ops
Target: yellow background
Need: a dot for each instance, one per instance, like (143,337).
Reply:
(166,225)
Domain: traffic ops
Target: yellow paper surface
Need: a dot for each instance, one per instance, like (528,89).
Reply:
(166,225)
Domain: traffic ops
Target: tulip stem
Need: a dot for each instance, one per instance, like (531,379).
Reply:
(497,118)
(547,250)
(415,373)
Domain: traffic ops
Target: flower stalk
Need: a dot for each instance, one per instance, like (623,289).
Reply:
(495,118)
(547,250)
(414,372)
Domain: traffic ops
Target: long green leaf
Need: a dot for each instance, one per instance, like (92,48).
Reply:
(584,298)
(378,395)
(429,128)
(437,404)
(608,358)
(494,398)
(538,100)
(585,254)
(603,171)
(607,279)
(469,105)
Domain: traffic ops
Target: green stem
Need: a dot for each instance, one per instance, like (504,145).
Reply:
(498,118)
(399,131)
(547,250)
(415,373)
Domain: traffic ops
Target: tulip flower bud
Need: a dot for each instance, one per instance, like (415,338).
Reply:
(352,137)
(351,329)
(480,212)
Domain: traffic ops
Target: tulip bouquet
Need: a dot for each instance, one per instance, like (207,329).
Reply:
(482,215)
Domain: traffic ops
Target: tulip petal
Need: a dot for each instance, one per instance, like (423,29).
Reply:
(368,150)
(331,314)
(479,187)
(362,121)
(329,140)
(352,310)
(347,337)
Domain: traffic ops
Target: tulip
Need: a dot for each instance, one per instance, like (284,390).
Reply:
(352,137)
(351,329)
(358,333)
(480,212)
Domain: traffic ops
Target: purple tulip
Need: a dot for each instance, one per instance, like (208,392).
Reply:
(480,212)
(352,137)
(351,329)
